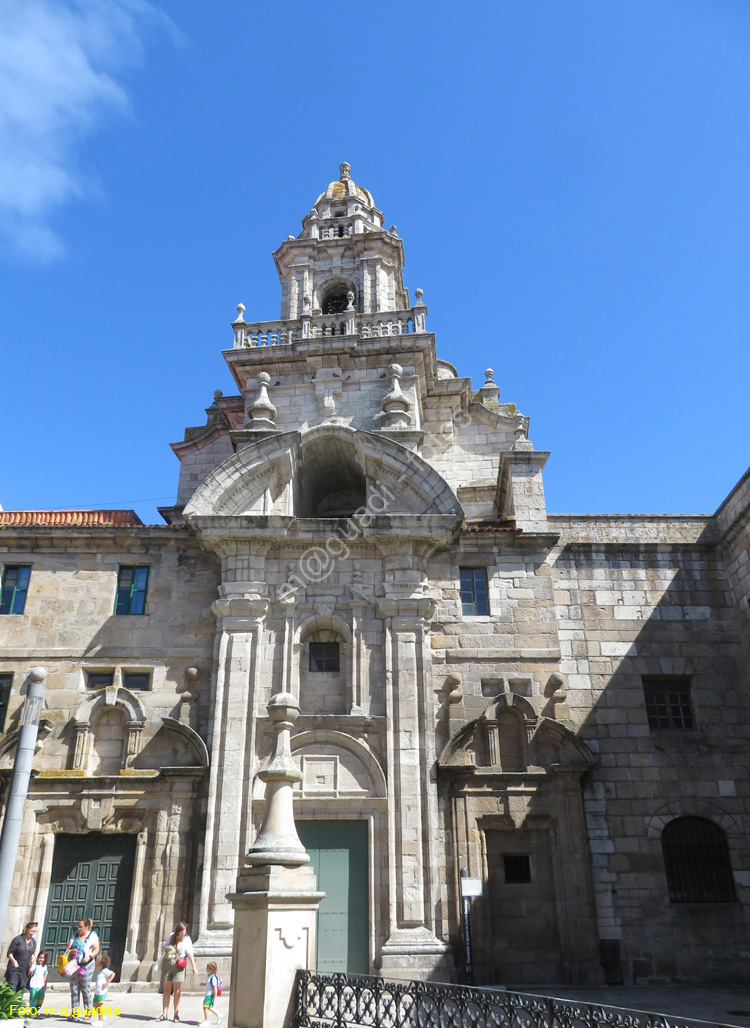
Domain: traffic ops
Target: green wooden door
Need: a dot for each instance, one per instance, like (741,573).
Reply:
(338,854)
(91,877)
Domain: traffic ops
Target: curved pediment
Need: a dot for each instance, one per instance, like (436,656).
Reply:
(510,737)
(332,471)
(175,745)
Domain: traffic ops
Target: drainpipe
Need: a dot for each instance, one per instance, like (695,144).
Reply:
(19,785)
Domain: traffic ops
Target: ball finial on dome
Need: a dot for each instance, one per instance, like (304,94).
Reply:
(344,172)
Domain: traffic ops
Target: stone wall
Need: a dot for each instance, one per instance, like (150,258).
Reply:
(102,759)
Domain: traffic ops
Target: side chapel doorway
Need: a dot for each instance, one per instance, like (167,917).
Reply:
(92,876)
(338,854)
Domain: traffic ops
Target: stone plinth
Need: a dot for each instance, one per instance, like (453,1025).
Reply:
(275,911)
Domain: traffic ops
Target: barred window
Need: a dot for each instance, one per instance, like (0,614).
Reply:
(696,859)
(324,651)
(668,703)
(517,868)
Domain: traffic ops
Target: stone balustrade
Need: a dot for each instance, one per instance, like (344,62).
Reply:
(379,325)
(334,231)
(263,333)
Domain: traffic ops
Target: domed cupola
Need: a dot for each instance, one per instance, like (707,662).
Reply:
(344,209)
(345,186)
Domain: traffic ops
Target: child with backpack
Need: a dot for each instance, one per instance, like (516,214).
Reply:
(38,982)
(213,989)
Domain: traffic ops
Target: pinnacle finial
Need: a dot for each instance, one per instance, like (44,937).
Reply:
(489,373)
(344,172)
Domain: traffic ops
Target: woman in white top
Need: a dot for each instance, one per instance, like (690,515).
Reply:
(177,951)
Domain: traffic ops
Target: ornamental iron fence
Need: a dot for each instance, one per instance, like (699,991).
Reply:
(359,1001)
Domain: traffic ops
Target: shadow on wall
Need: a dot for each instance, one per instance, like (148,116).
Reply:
(671,735)
(647,878)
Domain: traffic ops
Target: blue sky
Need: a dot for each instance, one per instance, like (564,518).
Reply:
(570,181)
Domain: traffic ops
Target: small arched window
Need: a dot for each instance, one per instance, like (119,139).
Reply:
(696,859)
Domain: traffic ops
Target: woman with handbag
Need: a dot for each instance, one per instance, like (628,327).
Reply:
(177,951)
(86,945)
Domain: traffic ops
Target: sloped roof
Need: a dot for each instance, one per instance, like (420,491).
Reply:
(70,518)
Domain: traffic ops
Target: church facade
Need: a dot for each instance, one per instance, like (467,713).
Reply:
(556,704)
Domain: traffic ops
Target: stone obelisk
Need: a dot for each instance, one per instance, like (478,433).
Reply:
(276,902)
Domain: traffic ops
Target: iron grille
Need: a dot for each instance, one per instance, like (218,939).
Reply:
(324,656)
(517,868)
(668,703)
(696,859)
(338,1000)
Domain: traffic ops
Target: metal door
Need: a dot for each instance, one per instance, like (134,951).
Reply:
(91,877)
(338,854)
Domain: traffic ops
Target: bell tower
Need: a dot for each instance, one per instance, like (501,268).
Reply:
(342,249)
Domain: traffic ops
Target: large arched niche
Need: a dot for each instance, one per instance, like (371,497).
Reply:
(330,479)
(331,471)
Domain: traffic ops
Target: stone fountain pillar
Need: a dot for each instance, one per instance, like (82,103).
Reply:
(276,902)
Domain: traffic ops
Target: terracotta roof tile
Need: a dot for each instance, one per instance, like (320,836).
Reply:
(70,518)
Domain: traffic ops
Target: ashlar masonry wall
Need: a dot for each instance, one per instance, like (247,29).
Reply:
(657,603)
(114,760)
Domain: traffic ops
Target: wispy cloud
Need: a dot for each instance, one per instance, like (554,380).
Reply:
(60,61)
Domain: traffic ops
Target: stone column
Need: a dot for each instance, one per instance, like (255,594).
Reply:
(276,902)
(412,949)
(240,616)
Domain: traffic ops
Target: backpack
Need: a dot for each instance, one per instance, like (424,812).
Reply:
(219,984)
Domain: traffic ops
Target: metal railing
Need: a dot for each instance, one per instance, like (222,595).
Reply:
(338,1000)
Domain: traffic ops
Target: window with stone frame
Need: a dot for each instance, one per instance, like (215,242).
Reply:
(696,861)
(324,653)
(475,597)
(14,589)
(6,684)
(668,703)
(99,679)
(136,680)
(132,585)
(322,673)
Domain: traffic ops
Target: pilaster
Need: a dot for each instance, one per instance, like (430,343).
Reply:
(240,615)
(412,948)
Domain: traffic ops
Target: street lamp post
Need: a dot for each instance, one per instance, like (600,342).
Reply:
(19,785)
